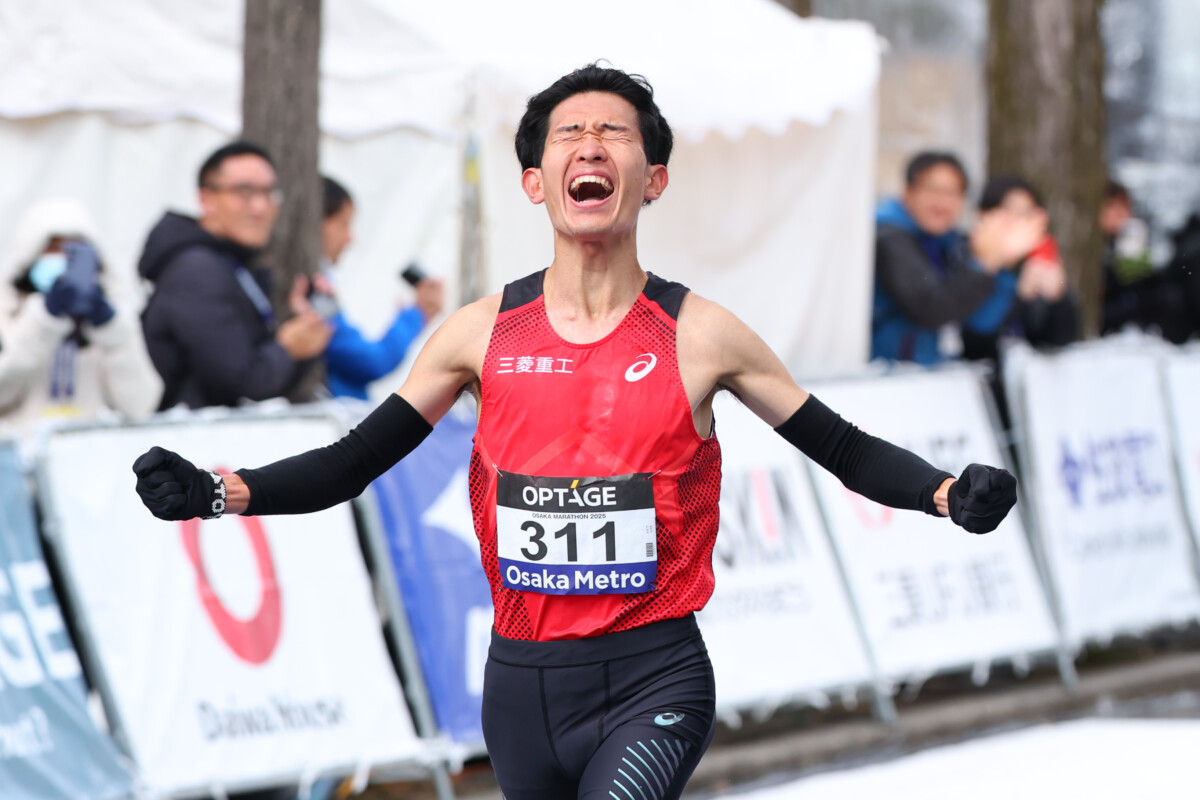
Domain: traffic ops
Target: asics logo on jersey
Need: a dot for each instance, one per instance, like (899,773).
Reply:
(641,368)
(668,718)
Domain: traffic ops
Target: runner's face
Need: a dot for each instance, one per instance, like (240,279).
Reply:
(594,176)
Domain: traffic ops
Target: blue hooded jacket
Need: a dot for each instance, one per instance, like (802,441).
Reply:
(352,361)
(896,337)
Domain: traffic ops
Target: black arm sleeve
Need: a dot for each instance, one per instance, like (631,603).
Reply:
(876,469)
(336,473)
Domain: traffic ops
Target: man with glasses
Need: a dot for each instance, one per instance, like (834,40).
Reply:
(209,325)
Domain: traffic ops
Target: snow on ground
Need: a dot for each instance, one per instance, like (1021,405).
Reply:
(1093,758)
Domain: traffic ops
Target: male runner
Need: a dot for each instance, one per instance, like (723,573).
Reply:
(595,472)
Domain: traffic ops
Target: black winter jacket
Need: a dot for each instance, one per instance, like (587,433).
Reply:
(207,339)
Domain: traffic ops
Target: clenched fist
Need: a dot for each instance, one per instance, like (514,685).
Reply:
(981,497)
(173,488)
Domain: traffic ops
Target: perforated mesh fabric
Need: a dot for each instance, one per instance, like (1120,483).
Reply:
(512,618)
(597,422)
(685,578)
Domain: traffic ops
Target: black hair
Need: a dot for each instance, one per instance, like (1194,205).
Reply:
(333,196)
(927,159)
(1117,191)
(241,147)
(996,189)
(657,138)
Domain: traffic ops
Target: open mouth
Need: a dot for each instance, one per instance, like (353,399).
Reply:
(591,189)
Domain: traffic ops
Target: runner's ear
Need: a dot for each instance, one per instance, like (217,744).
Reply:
(656,182)
(531,182)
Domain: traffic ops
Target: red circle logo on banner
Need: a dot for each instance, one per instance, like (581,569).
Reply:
(253,639)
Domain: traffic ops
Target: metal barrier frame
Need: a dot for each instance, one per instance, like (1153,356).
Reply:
(884,682)
(97,676)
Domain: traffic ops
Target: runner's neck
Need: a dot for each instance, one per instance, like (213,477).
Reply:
(593,296)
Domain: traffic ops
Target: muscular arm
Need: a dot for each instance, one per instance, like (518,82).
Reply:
(719,351)
(449,363)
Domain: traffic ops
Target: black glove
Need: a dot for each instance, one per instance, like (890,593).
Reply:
(981,497)
(173,488)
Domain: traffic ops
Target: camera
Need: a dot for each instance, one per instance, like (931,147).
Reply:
(413,274)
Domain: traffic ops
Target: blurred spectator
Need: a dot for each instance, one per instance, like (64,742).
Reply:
(1184,268)
(1135,293)
(352,361)
(1122,295)
(1042,309)
(209,325)
(69,346)
(930,279)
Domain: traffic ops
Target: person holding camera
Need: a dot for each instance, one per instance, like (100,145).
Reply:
(209,325)
(68,348)
(352,361)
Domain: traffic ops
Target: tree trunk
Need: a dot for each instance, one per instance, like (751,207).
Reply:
(1046,118)
(802,8)
(280,100)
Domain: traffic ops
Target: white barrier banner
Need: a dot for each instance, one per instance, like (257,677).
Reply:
(1183,388)
(235,651)
(779,599)
(1107,499)
(932,596)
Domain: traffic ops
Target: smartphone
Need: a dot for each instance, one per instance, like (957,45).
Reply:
(413,274)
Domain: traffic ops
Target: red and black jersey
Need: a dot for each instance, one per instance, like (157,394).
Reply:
(614,407)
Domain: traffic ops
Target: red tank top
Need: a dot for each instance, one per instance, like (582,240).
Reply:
(558,420)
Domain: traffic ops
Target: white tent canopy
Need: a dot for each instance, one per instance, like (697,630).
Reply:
(719,65)
(769,208)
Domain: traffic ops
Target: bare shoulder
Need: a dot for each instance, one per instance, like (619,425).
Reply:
(710,328)
(703,310)
(450,362)
(721,351)
(478,316)
(460,342)
(467,328)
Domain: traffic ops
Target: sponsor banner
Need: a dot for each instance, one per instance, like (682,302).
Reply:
(236,651)
(1182,373)
(931,595)
(1108,506)
(49,746)
(425,509)
(779,599)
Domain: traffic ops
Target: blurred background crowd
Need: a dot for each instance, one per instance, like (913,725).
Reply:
(989,226)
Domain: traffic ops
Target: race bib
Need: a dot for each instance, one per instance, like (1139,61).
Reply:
(576,535)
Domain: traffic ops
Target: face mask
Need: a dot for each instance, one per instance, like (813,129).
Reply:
(46,270)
